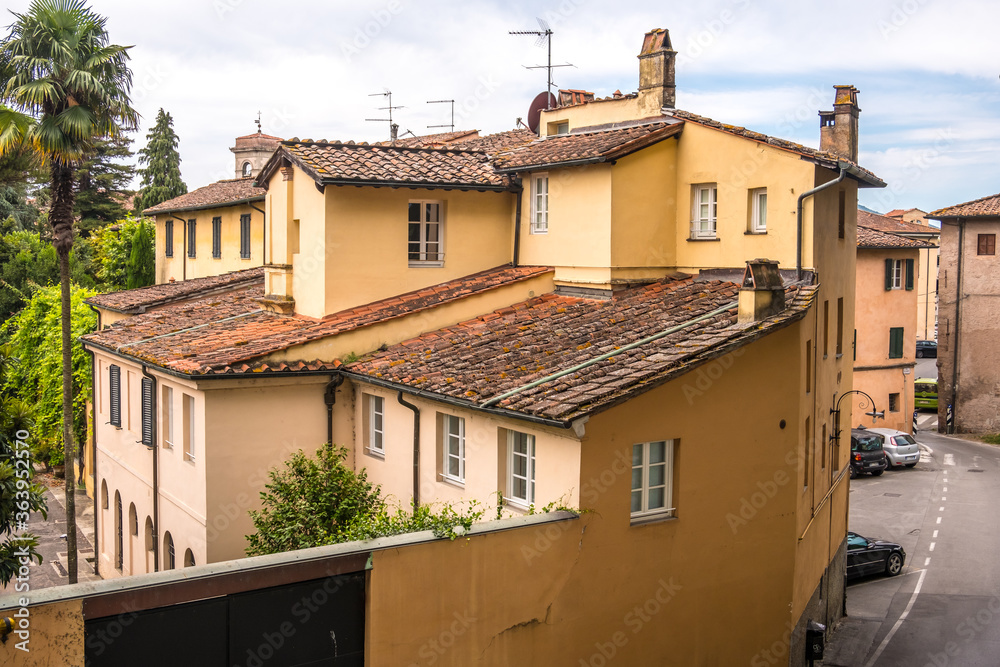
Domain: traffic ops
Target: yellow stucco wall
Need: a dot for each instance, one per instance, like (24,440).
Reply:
(52,635)
(180,265)
(595,113)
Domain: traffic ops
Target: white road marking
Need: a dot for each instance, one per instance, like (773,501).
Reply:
(931,547)
(943,499)
(934,535)
(899,622)
(944,490)
(939,520)
(927,561)
(940,509)
(949,459)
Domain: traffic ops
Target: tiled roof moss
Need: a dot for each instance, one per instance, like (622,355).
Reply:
(984,207)
(209,196)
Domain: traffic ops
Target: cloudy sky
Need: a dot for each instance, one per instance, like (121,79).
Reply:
(928,72)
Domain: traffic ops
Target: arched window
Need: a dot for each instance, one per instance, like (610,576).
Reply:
(149,534)
(247,169)
(119,550)
(169,561)
(133,521)
(104,494)
(188,558)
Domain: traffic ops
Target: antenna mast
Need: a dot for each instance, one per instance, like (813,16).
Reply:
(393,127)
(544,35)
(452,102)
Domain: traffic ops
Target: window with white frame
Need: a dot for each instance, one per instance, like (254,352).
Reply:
(374,419)
(896,275)
(652,479)
(540,204)
(703,211)
(453,448)
(167,415)
(520,468)
(425,234)
(758,210)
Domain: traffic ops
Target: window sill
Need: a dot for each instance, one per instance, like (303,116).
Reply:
(375,454)
(517,506)
(426,265)
(450,481)
(756,233)
(653,518)
(693,240)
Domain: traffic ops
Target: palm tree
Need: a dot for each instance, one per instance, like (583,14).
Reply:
(66,87)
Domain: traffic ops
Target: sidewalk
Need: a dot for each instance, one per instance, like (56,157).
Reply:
(52,538)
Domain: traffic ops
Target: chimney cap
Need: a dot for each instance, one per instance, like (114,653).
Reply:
(762,274)
(656,39)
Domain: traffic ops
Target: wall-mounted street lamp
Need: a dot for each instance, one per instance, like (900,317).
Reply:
(864,403)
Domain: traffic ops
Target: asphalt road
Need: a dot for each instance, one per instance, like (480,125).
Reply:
(944,608)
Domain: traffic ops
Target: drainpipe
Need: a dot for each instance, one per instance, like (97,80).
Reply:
(156,476)
(330,398)
(93,422)
(517,229)
(416,448)
(798,217)
(184,252)
(958,338)
(264,230)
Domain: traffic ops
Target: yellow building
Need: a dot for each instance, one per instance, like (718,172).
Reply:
(889,273)
(578,319)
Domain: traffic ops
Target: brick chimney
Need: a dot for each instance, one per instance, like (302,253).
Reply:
(656,70)
(762,293)
(838,129)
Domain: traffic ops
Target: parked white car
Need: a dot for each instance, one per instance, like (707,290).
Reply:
(900,447)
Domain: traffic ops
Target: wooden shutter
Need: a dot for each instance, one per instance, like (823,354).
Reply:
(191,243)
(216,237)
(896,343)
(115,384)
(147,412)
(888,274)
(168,243)
(245,236)
(909,274)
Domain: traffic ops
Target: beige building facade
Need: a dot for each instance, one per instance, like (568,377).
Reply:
(968,375)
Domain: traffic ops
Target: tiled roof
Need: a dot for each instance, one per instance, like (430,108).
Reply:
(433,140)
(893,226)
(364,164)
(595,146)
(498,352)
(875,238)
(987,207)
(210,196)
(827,159)
(234,333)
(138,300)
(499,141)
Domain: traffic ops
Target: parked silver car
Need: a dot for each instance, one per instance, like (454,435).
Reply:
(900,447)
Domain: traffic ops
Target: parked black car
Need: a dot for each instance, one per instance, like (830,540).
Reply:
(926,348)
(867,454)
(866,557)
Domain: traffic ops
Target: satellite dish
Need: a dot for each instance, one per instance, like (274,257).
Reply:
(542,101)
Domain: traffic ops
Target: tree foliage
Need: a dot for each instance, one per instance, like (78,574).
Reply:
(27,262)
(19,495)
(116,247)
(36,379)
(310,502)
(161,175)
(102,184)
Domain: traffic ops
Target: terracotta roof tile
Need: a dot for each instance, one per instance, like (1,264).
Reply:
(586,146)
(209,196)
(884,223)
(496,353)
(433,140)
(138,300)
(986,207)
(350,163)
(233,330)
(829,159)
(874,238)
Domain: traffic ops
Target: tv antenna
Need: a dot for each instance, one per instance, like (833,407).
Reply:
(452,102)
(544,35)
(393,127)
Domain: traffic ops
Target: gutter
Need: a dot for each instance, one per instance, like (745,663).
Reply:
(416,448)
(414,185)
(93,421)
(156,474)
(844,167)
(517,226)
(201,207)
(330,399)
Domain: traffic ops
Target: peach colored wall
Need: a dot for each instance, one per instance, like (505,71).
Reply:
(204,264)
(595,113)
(557,454)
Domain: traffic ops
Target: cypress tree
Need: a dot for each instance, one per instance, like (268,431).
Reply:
(161,173)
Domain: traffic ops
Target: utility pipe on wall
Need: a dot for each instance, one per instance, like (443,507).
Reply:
(798,217)
(330,398)
(416,449)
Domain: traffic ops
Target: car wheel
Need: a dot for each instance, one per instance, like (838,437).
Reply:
(876,473)
(910,465)
(894,565)
(853,472)
(920,354)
